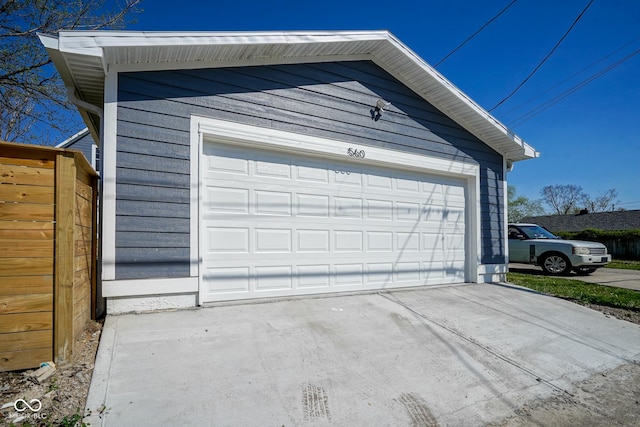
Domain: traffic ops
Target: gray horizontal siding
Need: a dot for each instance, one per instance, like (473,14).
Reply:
(330,100)
(84,144)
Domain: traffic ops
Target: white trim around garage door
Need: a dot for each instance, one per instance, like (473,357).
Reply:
(203,129)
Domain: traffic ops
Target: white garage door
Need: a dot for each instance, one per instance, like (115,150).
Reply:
(275,224)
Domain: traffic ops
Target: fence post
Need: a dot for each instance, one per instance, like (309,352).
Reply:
(64,257)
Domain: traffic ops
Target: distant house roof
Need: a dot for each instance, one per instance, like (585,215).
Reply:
(619,220)
(85,58)
(69,142)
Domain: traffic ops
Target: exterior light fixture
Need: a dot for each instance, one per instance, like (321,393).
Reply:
(376,112)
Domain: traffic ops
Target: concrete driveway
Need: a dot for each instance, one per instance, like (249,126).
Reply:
(616,277)
(457,355)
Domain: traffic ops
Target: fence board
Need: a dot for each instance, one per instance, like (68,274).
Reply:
(23,322)
(26,193)
(31,162)
(12,285)
(12,174)
(11,361)
(25,266)
(10,248)
(26,212)
(26,229)
(20,341)
(12,304)
(83,190)
(65,237)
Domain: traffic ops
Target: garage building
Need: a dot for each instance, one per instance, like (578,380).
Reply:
(249,165)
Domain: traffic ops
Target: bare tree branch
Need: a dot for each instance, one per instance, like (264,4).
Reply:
(31,92)
(563,198)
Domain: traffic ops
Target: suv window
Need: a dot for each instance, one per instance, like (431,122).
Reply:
(530,232)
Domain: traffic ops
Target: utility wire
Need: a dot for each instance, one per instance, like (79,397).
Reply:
(535,70)
(534,112)
(475,34)
(570,77)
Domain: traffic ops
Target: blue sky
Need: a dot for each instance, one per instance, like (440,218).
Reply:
(590,138)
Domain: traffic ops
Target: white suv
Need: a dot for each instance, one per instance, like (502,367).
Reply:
(532,244)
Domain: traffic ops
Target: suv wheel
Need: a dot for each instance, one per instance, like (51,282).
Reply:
(556,264)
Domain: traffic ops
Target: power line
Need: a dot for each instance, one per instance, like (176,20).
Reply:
(539,109)
(535,70)
(539,95)
(486,24)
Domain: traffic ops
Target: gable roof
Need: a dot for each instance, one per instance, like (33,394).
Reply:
(73,139)
(83,59)
(618,220)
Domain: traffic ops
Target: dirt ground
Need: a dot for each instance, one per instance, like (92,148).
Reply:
(62,396)
(608,399)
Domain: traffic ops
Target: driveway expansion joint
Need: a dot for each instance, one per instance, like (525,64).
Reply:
(516,364)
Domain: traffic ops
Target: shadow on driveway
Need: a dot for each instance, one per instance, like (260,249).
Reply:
(457,355)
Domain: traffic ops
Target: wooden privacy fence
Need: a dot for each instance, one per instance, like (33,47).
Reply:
(623,249)
(47,253)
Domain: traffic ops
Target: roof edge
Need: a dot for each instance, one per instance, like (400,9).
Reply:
(386,50)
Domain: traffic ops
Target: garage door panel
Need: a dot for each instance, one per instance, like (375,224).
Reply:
(379,241)
(375,181)
(272,167)
(226,279)
(221,199)
(273,240)
(314,276)
(347,207)
(407,242)
(379,209)
(316,172)
(273,277)
(225,159)
(272,203)
(409,185)
(277,224)
(312,205)
(317,241)
(227,240)
(347,175)
(407,211)
(408,272)
(348,241)
(349,274)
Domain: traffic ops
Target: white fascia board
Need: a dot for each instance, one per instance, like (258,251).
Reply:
(454,99)
(49,41)
(71,139)
(90,40)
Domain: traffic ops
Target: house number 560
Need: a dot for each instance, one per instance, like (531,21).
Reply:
(354,152)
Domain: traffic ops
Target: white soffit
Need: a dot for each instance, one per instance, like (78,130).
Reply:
(83,57)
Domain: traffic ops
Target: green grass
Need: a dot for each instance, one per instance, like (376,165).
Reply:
(627,265)
(578,291)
